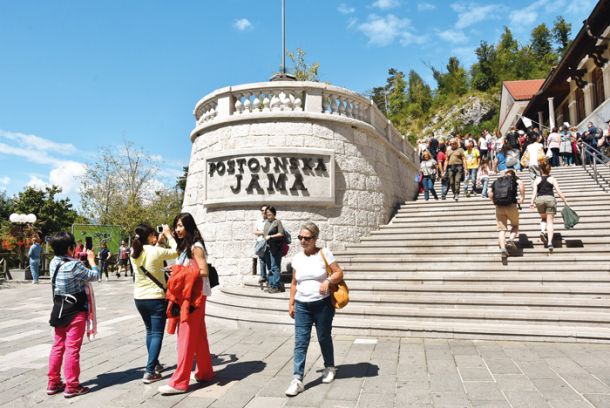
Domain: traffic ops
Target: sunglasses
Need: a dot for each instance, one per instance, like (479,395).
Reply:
(300,237)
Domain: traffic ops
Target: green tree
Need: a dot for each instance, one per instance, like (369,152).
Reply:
(452,82)
(540,41)
(397,97)
(120,188)
(507,53)
(301,70)
(53,215)
(561,34)
(484,72)
(379,96)
(419,94)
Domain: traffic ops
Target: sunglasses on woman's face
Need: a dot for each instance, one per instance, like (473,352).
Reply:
(301,238)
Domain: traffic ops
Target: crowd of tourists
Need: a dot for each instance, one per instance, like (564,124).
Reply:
(470,160)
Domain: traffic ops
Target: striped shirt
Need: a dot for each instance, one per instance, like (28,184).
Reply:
(71,276)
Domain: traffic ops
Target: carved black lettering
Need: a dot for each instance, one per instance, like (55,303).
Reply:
(231,166)
(220,168)
(321,166)
(294,163)
(212,168)
(254,185)
(307,163)
(241,163)
(254,165)
(280,163)
(278,184)
(265,167)
(298,184)
(237,188)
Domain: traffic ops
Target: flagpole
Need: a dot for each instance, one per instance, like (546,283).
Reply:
(284,37)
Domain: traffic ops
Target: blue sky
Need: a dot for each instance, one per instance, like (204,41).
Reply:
(79,75)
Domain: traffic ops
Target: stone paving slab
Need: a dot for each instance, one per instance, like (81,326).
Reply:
(254,366)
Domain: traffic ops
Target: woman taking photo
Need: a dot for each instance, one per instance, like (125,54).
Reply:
(149,290)
(192,333)
(544,201)
(310,304)
(273,232)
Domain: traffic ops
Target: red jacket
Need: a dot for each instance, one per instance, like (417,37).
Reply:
(185,289)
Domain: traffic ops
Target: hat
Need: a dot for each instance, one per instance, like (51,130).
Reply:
(521,132)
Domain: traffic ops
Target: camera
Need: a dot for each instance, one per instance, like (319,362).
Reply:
(159,228)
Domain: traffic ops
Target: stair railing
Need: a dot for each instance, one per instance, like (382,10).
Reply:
(594,160)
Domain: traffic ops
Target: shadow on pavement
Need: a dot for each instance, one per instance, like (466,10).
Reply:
(115,378)
(344,371)
(233,372)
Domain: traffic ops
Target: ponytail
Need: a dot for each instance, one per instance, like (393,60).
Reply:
(142,232)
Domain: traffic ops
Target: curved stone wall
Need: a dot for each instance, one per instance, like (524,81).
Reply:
(315,152)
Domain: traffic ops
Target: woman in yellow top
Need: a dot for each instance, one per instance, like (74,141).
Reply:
(149,290)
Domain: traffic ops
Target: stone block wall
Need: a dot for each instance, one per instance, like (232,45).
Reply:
(371,179)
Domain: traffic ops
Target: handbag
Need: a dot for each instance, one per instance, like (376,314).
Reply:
(339,293)
(212,275)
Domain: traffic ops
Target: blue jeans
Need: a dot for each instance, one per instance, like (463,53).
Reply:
(306,314)
(471,178)
(35,269)
(153,312)
(428,182)
(262,265)
(444,186)
(485,185)
(274,265)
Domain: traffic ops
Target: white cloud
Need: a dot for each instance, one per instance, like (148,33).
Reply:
(64,173)
(67,176)
(345,9)
(157,158)
(425,7)
(408,38)
(383,31)
(242,24)
(352,22)
(527,16)
(37,183)
(5,181)
(453,36)
(470,14)
(386,4)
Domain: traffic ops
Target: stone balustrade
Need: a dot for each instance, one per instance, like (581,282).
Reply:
(310,99)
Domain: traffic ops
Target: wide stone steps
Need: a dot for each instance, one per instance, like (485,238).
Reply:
(435,270)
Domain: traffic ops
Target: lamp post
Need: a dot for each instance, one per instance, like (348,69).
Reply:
(21,220)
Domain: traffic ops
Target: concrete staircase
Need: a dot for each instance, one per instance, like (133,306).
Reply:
(435,271)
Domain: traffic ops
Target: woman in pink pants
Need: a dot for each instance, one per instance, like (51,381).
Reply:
(192,333)
(69,314)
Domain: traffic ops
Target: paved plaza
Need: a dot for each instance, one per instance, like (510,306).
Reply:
(254,366)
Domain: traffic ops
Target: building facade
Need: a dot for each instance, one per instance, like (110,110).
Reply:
(577,90)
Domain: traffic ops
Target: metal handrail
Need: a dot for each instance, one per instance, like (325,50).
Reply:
(590,156)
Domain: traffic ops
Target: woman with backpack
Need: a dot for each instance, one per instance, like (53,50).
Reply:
(274,235)
(149,290)
(543,199)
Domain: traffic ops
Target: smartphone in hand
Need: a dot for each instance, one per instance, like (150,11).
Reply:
(88,243)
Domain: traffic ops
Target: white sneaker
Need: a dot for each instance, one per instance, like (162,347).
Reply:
(169,390)
(328,375)
(295,387)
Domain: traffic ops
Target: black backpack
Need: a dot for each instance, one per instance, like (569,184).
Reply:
(505,190)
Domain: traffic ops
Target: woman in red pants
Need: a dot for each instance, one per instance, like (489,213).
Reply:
(192,333)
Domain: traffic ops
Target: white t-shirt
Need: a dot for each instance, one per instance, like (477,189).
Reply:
(533,152)
(207,289)
(310,273)
(260,225)
(482,143)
